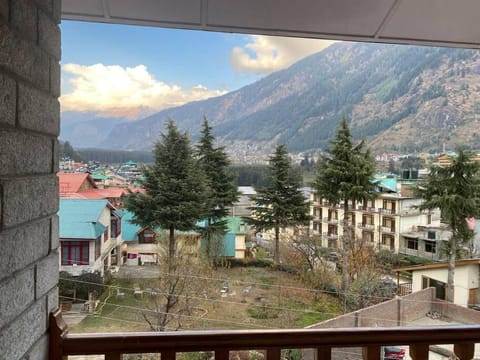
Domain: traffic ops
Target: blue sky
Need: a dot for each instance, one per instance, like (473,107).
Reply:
(131,70)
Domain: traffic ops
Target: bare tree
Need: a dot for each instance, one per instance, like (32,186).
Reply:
(176,295)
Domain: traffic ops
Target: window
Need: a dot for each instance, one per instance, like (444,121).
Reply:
(431,234)
(147,237)
(367,236)
(98,247)
(412,244)
(116,226)
(75,252)
(430,246)
(440,286)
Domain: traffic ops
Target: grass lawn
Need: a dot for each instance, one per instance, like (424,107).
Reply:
(275,299)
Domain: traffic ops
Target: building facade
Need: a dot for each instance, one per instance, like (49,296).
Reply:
(378,222)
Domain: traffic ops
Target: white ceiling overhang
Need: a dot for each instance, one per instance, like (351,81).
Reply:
(429,22)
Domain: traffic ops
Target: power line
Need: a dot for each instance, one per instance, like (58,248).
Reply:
(155,312)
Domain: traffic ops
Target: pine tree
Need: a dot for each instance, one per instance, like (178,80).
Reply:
(281,203)
(344,175)
(222,192)
(175,190)
(455,190)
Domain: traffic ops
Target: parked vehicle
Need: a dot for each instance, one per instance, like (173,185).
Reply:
(393,353)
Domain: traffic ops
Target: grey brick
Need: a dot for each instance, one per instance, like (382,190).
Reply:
(54,233)
(34,65)
(38,111)
(20,153)
(55,76)
(4,9)
(47,274)
(52,301)
(57,9)
(32,239)
(22,287)
(56,155)
(21,335)
(23,16)
(39,350)
(49,35)
(45,5)
(27,199)
(8,96)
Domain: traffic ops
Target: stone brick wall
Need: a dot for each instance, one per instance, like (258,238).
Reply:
(29,126)
(395,312)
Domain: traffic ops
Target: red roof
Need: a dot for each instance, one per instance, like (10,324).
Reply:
(107,193)
(70,195)
(71,182)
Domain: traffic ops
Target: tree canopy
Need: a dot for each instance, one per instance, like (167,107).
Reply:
(175,190)
(282,202)
(455,190)
(221,190)
(344,174)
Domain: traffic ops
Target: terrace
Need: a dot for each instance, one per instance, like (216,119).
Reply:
(30,51)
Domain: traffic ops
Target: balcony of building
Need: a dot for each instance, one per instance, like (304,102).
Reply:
(30,71)
(326,343)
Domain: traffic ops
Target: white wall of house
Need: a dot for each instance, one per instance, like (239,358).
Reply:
(240,246)
(466,278)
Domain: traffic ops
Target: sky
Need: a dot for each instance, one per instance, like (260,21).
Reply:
(132,71)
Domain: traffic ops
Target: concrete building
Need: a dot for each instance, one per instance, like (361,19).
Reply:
(90,235)
(466,281)
(377,222)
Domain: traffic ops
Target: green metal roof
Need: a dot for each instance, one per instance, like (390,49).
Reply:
(79,218)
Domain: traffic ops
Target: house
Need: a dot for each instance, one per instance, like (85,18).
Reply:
(143,245)
(467,272)
(90,235)
(378,222)
(74,182)
(234,244)
(240,207)
(425,242)
(140,244)
(115,195)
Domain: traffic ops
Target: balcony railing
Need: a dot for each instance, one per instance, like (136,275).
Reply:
(221,342)
(386,211)
(366,226)
(386,229)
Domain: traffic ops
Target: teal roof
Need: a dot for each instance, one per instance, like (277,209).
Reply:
(79,218)
(129,229)
(388,183)
(100,177)
(234,228)
(233,223)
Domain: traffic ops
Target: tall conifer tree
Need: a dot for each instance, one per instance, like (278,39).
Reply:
(222,192)
(282,202)
(175,191)
(455,190)
(344,175)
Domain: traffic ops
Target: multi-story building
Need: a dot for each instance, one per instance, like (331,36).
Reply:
(378,222)
(425,241)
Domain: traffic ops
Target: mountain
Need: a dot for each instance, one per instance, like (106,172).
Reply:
(84,129)
(405,98)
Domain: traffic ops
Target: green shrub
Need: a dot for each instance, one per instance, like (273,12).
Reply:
(262,312)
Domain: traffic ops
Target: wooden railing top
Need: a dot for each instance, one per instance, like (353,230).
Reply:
(208,340)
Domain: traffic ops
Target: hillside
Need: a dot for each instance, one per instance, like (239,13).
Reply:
(403,98)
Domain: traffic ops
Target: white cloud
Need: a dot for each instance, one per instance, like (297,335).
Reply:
(266,54)
(112,90)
